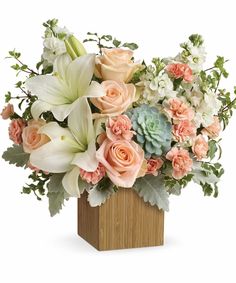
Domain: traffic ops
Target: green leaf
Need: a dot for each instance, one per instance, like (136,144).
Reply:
(212,149)
(152,189)
(56,193)
(219,63)
(7,96)
(16,155)
(196,39)
(100,192)
(116,42)
(131,46)
(107,37)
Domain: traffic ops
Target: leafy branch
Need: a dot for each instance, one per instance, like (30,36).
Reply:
(20,66)
(37,187)
(107,41)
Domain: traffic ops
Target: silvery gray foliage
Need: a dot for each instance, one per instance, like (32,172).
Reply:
(152,189)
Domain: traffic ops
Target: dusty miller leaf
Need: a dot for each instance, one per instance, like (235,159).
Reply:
(16,155)
(56,193)
(100,193)
(202,175)
(152,189)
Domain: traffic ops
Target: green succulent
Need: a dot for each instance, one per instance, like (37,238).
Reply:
(153,130)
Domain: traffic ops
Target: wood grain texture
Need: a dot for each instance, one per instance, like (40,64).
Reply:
(124,221)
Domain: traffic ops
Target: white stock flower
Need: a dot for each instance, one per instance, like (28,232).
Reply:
(160,87)
(207,109)
(59,93)
(53,47)
(69,148)
(196,58)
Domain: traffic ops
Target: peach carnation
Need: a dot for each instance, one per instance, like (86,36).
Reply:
(119,128)
(181,162)
(93,177)
(184,130)
(153,165)
(180,70)
(200,147)
(15,130)
(7,111)
(214,129)
(178,110)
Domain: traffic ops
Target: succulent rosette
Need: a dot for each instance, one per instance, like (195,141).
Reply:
(152,128)
(104,121)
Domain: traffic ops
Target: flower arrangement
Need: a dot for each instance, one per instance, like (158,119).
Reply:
(100,122)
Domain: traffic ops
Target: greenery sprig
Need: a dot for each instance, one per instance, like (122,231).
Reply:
(107,41)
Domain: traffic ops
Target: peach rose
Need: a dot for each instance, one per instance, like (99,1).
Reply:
(153,165)
(118,98)
(119,128)
(115,64)
(122,159)
(214,129)
(179,70)
(200,147)
(181,162)
(93,177)
(32,139)
(184,130)
(7,111)
(178,110)
(15,130)
(143,170)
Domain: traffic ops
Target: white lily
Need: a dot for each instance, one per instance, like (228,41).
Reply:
(69,149)
(61,92)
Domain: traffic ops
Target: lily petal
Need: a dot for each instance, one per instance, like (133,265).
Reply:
(54,131)
(54,157)
(60,112)
(80,73)
(87,160)
(95,90)
(61,64)
(50,89)
(80,122)
(38,107)
(70,182)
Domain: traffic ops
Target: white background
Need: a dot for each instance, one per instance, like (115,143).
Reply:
(200,232)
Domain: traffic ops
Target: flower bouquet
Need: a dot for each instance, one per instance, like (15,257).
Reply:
(102,122)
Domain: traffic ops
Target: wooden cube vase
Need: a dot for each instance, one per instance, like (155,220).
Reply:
(124,221)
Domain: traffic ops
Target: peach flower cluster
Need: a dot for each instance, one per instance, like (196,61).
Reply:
(153,165)
(7,111)
(118,97)
(184,130)
(181,162)
(200,147)
(93,177)
(180,70)
(214,129)
(119,128)
(178,110)
(32,138)
(122,159)
(15,130)
(116,64)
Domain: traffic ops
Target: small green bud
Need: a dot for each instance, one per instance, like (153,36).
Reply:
(74,47)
